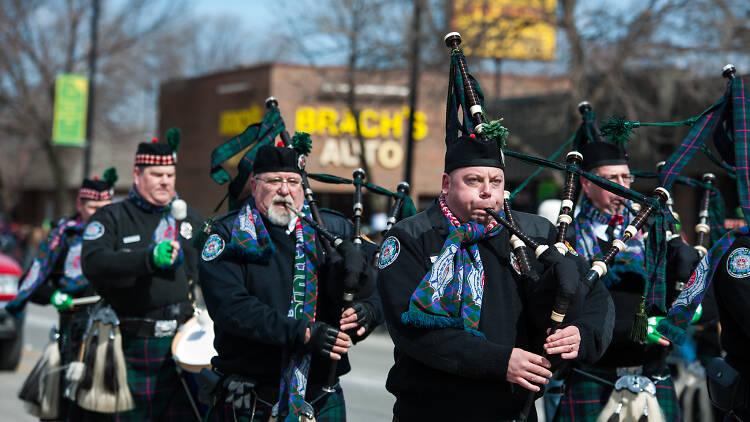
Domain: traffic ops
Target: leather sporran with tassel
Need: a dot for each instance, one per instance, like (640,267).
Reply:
(632,400)
(103,386)
(40,391)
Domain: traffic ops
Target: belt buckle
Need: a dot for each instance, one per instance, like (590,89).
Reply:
(165,328)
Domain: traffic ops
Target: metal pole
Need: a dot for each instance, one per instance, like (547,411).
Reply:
(413,82)
(92,86)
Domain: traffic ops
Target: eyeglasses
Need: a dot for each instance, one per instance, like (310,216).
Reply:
(616,178)
(276,182)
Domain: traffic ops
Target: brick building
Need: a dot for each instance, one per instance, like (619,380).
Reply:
(213,108)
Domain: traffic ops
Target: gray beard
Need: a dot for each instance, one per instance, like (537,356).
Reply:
(280,216)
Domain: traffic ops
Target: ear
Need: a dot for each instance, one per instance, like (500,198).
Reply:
(585,185)
(136,173)
(446,183)
(253,184)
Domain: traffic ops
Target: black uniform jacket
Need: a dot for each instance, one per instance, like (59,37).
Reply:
(448,373)
(249,303)
(733,298)
(119,263)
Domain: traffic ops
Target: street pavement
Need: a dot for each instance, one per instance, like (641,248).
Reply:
(364,387)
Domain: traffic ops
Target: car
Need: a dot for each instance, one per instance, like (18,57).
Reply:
(11,328)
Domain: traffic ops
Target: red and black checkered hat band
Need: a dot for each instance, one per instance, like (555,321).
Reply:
(155,160)
(95,195)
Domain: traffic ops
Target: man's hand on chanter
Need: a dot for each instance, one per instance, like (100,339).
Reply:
(566,342)
(525,368)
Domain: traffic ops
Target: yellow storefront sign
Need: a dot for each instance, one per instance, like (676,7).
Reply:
(372,123)
(382,129)
(508,29)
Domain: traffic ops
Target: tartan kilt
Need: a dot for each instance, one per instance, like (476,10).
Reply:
(154,383)
(584,399)
(330,408)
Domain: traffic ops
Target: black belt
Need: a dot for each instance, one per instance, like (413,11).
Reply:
(162,322)
(149,327)
(177,311)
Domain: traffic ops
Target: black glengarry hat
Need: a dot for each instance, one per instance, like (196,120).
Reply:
(277,158)
(99,190)
(598,153)
(155,153)
(470,151)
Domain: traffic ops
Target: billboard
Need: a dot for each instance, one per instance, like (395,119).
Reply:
(506,29)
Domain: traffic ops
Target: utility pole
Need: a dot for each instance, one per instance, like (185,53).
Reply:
(413,83)
(92,86)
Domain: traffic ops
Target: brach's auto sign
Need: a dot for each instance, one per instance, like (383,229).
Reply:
(383,131)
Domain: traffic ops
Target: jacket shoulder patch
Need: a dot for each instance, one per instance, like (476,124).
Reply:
(94,230)
(213,247)
(738,263)
(389,252)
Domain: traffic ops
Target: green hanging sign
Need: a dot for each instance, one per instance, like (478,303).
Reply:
(69,119)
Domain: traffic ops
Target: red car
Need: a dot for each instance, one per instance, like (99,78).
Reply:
(11,329)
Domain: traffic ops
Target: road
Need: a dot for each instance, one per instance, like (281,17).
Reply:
(364,387)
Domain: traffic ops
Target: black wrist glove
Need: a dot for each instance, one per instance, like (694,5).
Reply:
(353,265)
(322,338)
(681,259)
(365,314)
(564,269)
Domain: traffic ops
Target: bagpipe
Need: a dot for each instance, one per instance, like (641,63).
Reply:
(237,156)
(728,122)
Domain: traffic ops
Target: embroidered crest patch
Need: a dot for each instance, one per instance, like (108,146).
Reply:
(186,230)
(93,231)
(738,263)
(514,263)
(389,252)
(214,247)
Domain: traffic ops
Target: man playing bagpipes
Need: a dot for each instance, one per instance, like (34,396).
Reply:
(138,255)
(464,319)
(602,218)
(273,290)
(55,277)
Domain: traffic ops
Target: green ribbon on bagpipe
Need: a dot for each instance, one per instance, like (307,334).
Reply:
(407,209)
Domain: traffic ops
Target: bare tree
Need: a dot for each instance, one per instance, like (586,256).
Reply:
(141,43)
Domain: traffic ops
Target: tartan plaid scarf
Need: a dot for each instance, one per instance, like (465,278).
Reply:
(166,229)
(250,239)
(72,281)
(450,294)
(674,326)
(591,221)
(648,260)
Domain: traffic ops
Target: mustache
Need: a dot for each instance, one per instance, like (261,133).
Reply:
(284,200)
